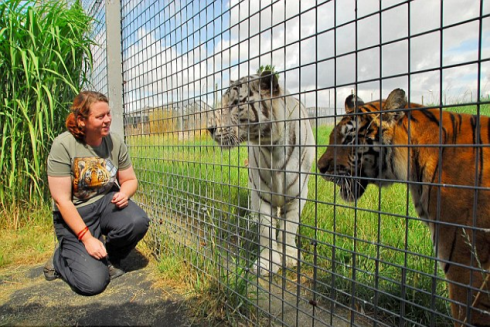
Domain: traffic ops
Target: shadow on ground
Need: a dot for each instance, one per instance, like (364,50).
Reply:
(26,298)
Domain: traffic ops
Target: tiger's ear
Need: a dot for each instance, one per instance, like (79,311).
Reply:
(269,82)
(396,100)
(352,102)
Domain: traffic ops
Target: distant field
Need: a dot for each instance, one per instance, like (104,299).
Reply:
(371,250)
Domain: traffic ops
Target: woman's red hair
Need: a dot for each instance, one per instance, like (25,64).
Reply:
(81,109)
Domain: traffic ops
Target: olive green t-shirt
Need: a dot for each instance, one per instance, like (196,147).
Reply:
(93,170)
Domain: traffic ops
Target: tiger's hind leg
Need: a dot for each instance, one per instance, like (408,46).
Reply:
(460,276)
(477,297)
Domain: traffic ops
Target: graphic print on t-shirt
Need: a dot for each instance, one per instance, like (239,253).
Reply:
(93,176)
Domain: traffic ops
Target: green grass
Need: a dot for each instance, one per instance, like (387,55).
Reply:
(44,59)
(369,251)
(484,108)
(198,198)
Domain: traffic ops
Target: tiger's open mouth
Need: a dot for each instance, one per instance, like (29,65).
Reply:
(227,141)
(351,188)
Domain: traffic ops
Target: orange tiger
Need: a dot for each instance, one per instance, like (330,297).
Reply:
(90,175)
(381,142)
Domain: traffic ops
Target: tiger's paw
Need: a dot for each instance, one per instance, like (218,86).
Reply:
(264,266)
(293,258)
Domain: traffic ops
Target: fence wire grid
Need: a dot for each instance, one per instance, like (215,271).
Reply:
(244,221)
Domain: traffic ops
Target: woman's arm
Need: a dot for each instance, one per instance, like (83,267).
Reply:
(129,185)
(60,188)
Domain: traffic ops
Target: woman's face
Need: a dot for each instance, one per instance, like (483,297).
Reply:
(98,123)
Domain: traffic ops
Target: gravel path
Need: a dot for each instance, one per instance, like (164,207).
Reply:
(134,299)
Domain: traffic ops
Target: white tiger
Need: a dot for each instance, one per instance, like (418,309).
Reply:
(281,150)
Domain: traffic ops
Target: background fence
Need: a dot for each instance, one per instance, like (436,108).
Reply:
(368,263)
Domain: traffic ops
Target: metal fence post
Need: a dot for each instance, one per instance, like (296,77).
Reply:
(114,64)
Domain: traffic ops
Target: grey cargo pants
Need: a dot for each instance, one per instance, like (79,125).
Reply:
(123,229)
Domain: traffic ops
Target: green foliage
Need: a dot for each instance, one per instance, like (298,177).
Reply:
(270,68)
(200,195)
(162,121)
(367,254)
(44,58)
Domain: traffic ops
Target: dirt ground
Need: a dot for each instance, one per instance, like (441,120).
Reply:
(134,299)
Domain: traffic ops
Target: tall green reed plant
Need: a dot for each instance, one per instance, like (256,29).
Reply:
(45,57)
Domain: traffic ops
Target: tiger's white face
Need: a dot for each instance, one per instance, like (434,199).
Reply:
(245,113)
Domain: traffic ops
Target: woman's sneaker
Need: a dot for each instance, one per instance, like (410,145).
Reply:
(49,272)
(115,269)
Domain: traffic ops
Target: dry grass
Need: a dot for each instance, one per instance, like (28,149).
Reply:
(29,244)
(23,245)
(28,241)
(26,246)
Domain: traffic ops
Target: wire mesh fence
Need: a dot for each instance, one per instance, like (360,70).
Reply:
(99,72)
(228,108)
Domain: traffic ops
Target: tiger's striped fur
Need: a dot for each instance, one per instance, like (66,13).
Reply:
(373,145)
(280,154)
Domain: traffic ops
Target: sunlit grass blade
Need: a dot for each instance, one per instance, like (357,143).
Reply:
(44,58)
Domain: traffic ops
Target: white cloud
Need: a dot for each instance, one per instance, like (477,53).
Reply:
(300,39)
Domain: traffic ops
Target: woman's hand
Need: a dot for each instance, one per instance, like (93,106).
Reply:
(94,247)
(120,200)
(129,184)
(60,188)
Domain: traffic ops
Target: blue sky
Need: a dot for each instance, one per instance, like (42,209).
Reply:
(182,49)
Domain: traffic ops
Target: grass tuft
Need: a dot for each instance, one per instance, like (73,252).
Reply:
(45,56)
(29,242)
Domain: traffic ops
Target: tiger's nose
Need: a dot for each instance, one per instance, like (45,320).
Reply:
(322,165)
(212,130)
(326,163)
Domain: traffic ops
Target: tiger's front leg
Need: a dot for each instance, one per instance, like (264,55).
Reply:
(469,287)
(288,227)
(269,259)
